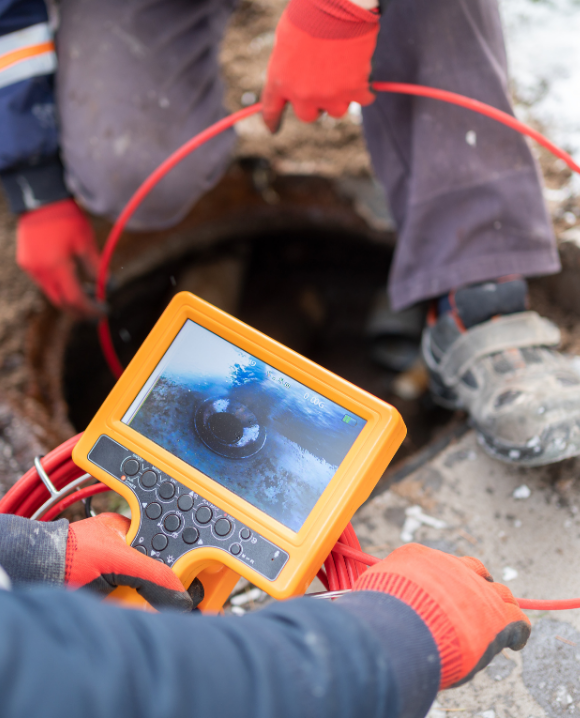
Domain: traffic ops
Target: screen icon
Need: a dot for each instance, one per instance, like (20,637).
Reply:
(349,420)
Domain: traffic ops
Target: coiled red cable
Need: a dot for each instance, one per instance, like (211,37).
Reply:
(341,569)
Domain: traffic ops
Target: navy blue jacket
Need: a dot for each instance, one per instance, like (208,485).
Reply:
(65,654)
(30,168)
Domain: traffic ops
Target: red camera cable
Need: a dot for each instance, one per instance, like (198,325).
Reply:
(341,569)
(227,122)
(346,561)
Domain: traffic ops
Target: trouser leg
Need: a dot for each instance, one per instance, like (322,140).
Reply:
(136,79)
(464,190)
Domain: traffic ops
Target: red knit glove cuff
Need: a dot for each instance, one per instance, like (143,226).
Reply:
(436,620)
(71,550)
(332,19)
(54,211)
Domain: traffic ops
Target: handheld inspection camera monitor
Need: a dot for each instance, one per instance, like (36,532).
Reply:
(237,456)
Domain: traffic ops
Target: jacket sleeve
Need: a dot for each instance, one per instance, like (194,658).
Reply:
(30,168)
(296,659)
(33,551)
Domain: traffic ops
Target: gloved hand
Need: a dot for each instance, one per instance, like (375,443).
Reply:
(470,617)
(321,60)
(51,243)
(98,558)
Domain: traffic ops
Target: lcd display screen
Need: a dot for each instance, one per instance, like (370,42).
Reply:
(261,434)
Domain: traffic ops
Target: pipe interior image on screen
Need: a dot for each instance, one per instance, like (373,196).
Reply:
(263,435)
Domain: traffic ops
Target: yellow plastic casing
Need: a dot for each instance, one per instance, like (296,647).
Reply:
(348,489)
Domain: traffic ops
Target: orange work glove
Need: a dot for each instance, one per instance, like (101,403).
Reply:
(98,558)
(470,618)
(321,60)
(52,242)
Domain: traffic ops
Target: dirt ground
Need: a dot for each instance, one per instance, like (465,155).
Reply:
(330,148)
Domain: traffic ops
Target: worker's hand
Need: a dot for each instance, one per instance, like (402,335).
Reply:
(321,60)
(53,243)
(98,558)
(470,617)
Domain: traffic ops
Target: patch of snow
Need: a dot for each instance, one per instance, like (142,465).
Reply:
(508,574)
(544,63)
(562,696)
(416,518)
(522,492)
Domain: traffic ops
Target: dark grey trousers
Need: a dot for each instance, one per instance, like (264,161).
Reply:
(138,78)
(465,191)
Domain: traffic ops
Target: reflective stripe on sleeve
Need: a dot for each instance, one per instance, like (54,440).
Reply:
(26,53)
(4,580)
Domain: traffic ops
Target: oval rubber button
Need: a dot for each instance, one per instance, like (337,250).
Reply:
(153,511)
(159,542)
(141,549)
(130,467)
(204,514)
(222,527)
(245,534)
(148,479)
(190,535)
(172,522)
(236,549)
(167,490)
(185,502)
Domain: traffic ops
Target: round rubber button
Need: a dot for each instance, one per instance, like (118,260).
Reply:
(222,527)
(204,514)
(153,511)
(130,467)
(141,549)
(167,490)
(148,479)
(172,522)
(245,534)
(190,535)
(236,549)
(185,502)
(159,542)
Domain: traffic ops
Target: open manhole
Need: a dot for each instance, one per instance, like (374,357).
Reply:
(313,291)
(301,259)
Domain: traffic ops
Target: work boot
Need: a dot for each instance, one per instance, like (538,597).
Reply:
(491,356)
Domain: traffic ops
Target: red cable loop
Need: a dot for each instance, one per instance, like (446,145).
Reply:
(346,560)
(482,108)
(73,498)
(115,234)
(333,584)
(58,464)
(341,571)
(227,122)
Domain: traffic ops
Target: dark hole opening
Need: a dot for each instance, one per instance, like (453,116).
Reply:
(311,290)
(226,428)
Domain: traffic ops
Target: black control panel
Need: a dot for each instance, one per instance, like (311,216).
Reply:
(175,520)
